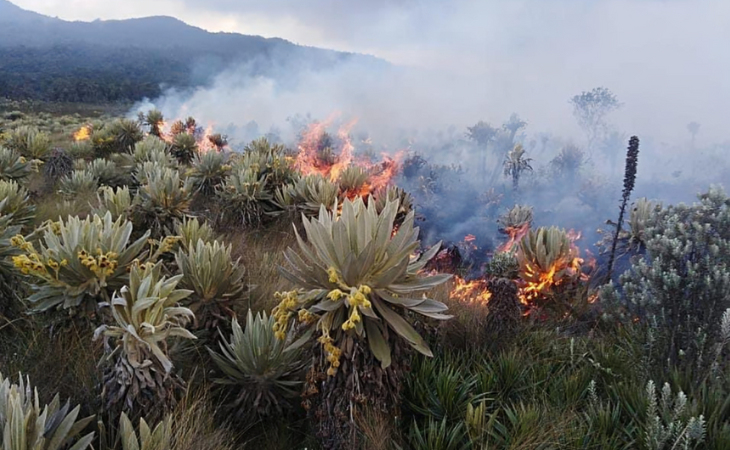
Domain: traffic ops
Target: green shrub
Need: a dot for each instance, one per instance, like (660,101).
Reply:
(264,372)
(215,279)
(16,202)
(146,313)
(79,263)
(24,425)
(163,199)
(13,166)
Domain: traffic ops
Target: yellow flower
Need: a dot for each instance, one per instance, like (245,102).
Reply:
(365,289)
(332,272)
(348,325)
(355,316)
(335,295)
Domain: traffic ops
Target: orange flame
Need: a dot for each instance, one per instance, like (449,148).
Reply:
(515,235)
(308,161)
(470,291)
(83,134)
(539,282)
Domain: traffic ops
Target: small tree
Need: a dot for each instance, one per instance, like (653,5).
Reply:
(590,110)
(693,128)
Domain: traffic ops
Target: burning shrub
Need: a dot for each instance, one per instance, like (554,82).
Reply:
(265,371)
(356,284)
(13,166)
(548,259)
(394,194)
(515,224)
(681,287)
(353,182)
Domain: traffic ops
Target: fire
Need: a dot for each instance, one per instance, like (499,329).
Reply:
(515,235)
(538,282)
(470,291)
(310,159)
(83,134)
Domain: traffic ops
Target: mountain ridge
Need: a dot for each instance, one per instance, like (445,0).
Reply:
(31,42)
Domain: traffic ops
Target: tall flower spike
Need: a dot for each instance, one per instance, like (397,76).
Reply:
(632,159)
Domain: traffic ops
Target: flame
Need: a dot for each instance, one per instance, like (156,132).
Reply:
(83,134)
(309,161)
(470,291)
(515,235)
(565,270)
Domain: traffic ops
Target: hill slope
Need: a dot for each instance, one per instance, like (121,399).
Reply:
(51,59)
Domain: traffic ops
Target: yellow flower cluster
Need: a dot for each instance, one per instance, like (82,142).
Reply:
(288,302)
(356,299)
(30,265)
(307,317)
(169,243)
(226,167)
(20,242)
(333,353)
(103,265)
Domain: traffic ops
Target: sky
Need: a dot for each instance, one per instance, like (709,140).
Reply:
(665,59)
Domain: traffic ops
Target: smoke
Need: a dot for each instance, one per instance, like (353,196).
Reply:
(455,63)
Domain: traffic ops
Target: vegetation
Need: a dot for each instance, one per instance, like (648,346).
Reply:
(196,297)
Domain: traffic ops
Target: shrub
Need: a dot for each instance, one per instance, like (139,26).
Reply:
(190,231)
(79,262)
(146,314)
(162,200)
(29,142)
(24,425)
(115,201)
(208,171)
(153,149)
(16,202)
(681,287)
(357,284)
(184,148)
(106,173)
(307,194)
(58,165)
(244,197)
(78,183)
(215,279)
(265,371)
(13,166)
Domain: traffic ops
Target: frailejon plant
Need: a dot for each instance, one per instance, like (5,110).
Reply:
(245,197)
(208,171)
(215,279)
(191,230)
(13,166)
(15,201)
(307,194)
(163,199)
(263,372)
(24,425)
(158,438)
(78,182)
(79,262)
(115,201)
(357,285)
(146,314)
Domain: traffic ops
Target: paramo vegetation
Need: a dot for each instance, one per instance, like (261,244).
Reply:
(159,290)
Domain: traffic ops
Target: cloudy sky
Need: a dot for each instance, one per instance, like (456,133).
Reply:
(666,59)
